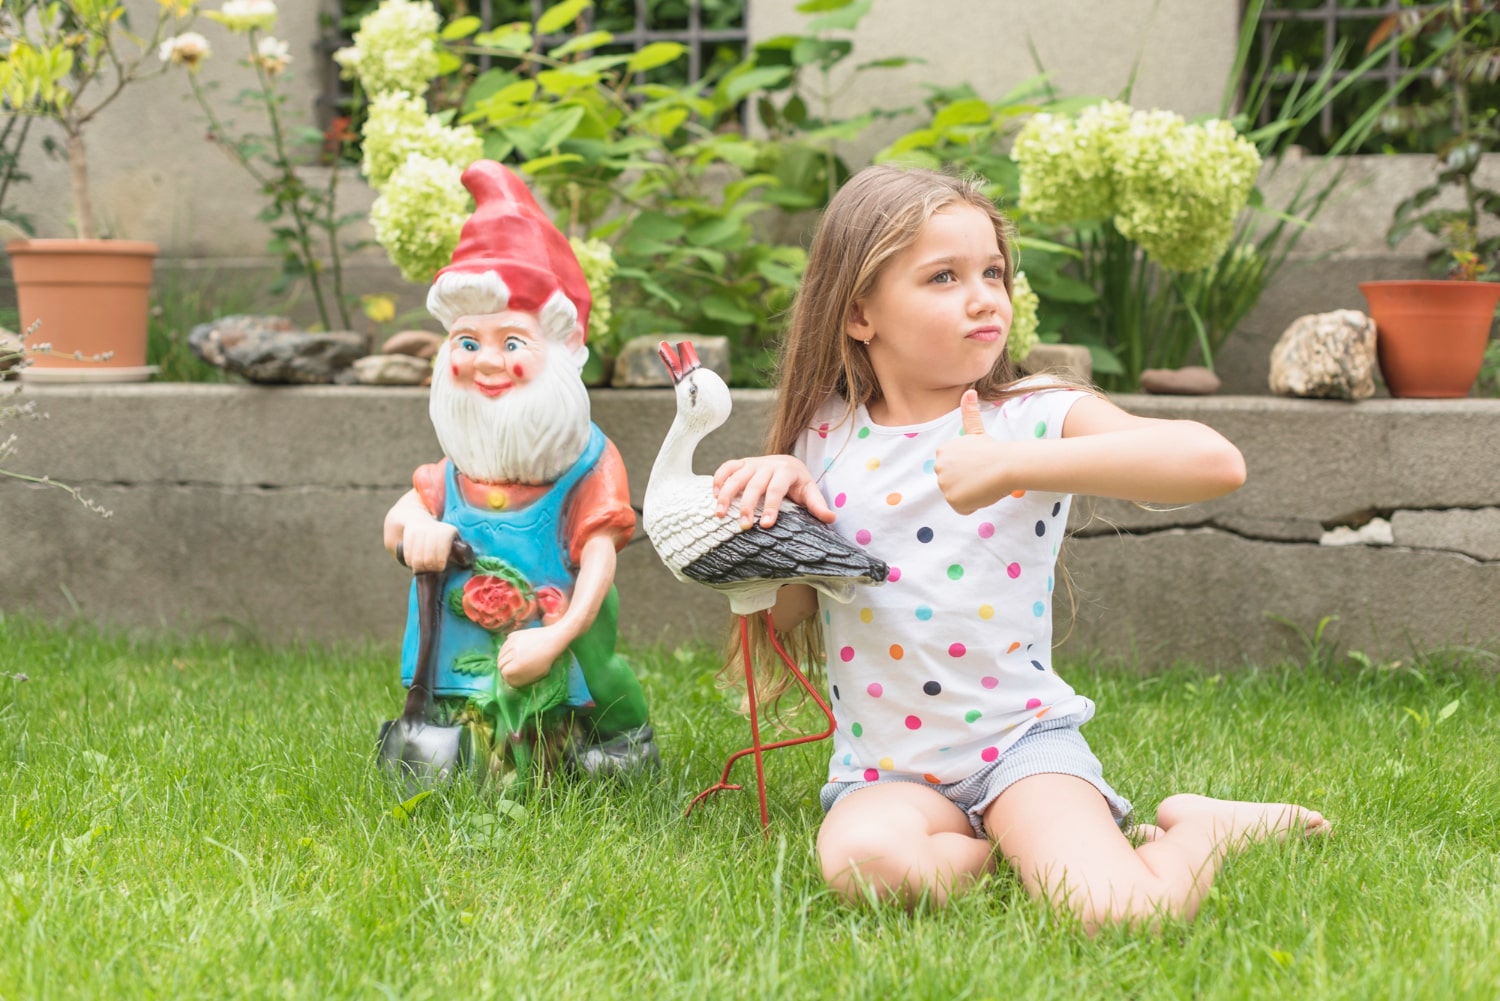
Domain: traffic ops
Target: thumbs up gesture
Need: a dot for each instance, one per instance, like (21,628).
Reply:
(968,468)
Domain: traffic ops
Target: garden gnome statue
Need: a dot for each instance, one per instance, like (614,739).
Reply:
(533,487)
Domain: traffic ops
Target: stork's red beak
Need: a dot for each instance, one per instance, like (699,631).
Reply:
(680,360)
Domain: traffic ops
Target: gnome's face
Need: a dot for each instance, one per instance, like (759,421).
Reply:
(496,353)
(507,404)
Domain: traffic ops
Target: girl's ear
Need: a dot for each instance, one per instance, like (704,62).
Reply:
(857,325)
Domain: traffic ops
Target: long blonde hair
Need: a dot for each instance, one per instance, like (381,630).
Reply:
(876,215)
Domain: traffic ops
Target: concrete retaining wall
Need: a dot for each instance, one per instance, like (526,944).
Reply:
(259,510)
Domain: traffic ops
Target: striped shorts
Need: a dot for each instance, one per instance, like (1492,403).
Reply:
(1051,746)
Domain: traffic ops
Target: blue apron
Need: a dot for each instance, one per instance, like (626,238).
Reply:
(531,541)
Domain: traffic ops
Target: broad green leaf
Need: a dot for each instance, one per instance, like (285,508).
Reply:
(1061,288)
(656,54)
(821,6)
(737,88)
(846,17)
(460,27)
(656,226)
(713,232)
(1104,361)
(556,126)
(447,62)
(541,163)
(564,81)
(717,307)
(557,18)
(507,38)
(970,112)
(582,43)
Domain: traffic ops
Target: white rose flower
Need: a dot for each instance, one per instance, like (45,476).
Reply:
(246,15)
(187,49)
(273,54)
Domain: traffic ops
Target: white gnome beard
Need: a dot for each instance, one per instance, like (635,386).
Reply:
(531,434)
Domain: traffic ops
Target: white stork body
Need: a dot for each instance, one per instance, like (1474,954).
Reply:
(747,564)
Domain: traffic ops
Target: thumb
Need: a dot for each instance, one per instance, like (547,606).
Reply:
(969,407)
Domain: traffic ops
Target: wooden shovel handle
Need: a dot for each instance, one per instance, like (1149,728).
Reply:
(429,620)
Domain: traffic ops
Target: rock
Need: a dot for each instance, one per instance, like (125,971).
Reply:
(417,343)
(1068,361)
(269,349)
(391,370)
(11,347)
(210,340)
(1327,356)
(1375,532)
(638,365)
(1190,380)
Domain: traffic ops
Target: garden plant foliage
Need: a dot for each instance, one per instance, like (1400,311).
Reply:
(187,818)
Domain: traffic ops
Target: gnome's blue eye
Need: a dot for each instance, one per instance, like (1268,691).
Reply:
(468,344)
(515,344)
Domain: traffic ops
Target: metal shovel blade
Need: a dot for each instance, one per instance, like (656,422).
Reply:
(421,755)
(416,751)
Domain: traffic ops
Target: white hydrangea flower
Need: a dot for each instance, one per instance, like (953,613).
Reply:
(597,260)
(246,15)
(419,215)
(395,48)
(399,127)
(1067,170)
(1023,323)
(1172,187)
(187,49)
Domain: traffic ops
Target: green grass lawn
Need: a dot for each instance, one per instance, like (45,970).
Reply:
(192,819)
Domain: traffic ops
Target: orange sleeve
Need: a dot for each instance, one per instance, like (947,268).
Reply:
(431,483)
(601,503)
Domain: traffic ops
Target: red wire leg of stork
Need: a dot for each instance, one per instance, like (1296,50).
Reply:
(756,747)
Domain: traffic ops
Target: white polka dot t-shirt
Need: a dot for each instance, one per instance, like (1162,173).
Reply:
(936,672)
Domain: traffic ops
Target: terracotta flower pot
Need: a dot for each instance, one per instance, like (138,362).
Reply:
(1430,335)
(92,298)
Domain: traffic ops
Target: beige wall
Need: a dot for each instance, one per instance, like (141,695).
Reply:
(1183,48)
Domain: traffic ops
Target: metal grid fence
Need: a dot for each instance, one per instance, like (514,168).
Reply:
(692,33)
(1337,21)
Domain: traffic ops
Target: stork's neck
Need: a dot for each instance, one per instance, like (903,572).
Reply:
(675,459)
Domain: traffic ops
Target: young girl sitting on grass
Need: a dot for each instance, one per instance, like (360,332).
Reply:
(901,421)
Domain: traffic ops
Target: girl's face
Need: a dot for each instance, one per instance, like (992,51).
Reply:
(938,317)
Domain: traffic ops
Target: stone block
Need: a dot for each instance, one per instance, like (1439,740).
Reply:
(638,365)
(1474,533)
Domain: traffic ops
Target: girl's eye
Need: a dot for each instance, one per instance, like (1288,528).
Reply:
(998,274)
(468,344)
(943,277)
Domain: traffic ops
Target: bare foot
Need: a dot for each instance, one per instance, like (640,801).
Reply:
(1241,822)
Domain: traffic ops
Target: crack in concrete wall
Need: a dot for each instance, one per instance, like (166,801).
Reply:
(1481,557)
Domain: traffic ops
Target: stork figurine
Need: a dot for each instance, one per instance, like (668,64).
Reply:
(749,564)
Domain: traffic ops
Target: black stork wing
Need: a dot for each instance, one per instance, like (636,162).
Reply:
(798,545)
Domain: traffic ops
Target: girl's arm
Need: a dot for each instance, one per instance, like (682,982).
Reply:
(1103,451)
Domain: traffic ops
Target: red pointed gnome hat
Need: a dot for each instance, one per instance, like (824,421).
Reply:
(511,235)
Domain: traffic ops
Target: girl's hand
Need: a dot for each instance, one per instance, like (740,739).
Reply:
(764,481)
(969,468)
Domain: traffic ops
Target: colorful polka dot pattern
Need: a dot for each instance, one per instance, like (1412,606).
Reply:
(934,673)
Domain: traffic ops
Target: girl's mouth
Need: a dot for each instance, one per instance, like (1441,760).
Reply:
(985,335)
